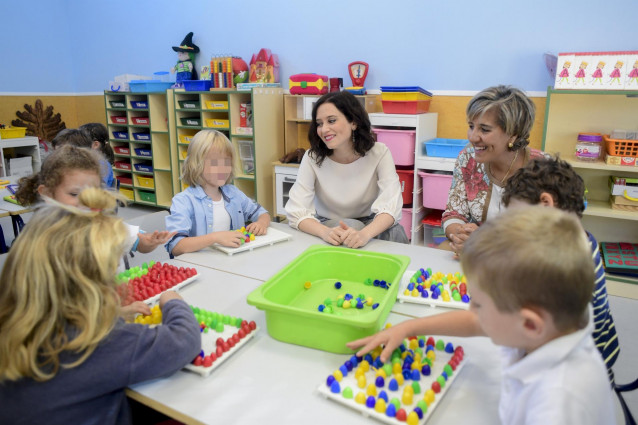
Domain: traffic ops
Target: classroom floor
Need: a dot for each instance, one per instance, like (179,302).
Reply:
(624,310)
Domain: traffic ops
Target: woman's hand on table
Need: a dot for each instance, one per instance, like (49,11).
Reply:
(333,235)
(353,238)
(459,235)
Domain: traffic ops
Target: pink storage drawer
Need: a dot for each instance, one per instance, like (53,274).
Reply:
(406,221)
(435,189)
(400,142)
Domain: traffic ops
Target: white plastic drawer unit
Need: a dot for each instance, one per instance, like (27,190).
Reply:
(285,177)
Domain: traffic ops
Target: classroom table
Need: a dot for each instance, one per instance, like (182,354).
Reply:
(276,382)
(14,210)
(262,263)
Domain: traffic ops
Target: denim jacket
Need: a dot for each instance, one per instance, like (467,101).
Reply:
(192,212)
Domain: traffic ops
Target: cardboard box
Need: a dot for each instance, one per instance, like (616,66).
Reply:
(621,160)
(624,186)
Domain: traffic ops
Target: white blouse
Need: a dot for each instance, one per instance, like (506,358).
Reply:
(369,185)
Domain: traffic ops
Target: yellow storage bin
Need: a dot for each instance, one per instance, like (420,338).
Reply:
(217,123)
(12,132)
(216,104)
(407,96)
(128,193)
(184,138)
(182,154)
(147,182)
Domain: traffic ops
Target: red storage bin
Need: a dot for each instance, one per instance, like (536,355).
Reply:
(406,178)
(405,106)
(400,142)
(122,165)
(140,120)
(122,150)
(118,120)
(435,189)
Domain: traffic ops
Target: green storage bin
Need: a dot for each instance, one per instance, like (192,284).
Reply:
(292,313)
(188,104)
(191,121)
(147,196)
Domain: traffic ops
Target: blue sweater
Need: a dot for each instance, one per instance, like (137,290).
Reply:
(93,392)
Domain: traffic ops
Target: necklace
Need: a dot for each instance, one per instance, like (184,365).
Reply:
(508,170)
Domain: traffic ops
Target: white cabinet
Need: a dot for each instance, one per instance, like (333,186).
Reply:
(22,146)
(425,126)
(285,177)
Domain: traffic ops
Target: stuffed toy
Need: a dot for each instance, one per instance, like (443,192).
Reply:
(293,157)
(185,67)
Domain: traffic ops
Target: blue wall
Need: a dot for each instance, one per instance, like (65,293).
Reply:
(76,46)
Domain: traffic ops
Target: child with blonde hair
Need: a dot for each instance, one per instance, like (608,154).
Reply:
(65,356)
(211,209)
(531,277)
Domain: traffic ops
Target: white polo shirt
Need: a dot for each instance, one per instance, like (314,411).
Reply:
(562,382)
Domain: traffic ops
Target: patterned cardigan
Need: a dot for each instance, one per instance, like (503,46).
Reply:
(469,196)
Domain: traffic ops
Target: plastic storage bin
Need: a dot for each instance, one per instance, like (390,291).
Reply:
(217,123)
(120,135)
(291,310)
(433,233)
(144,168)
(139,104)
(142,136)
(185,138)
(444,148)
(245,148)
(122,165)
(128,193)
(435,189)
(405,107)
(191,121)
(621,147)
(406,178)
(118,119)
(406,221)
(124,180)
(188,104)
(400,142)
(122,150)
(216,104)
(147,182)
(12,133)
(147,196)
(140,120)
(117,104)
(151,86)
(143,152)
(196,85)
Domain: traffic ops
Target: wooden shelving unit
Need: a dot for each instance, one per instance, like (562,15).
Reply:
(138,125)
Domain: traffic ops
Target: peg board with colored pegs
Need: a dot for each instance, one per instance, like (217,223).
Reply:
(222,336)
(417,286)
(271,237)
(147,282)
(405,390)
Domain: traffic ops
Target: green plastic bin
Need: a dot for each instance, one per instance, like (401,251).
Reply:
(292,310)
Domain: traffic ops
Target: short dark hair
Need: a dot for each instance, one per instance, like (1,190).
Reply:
(73,137)
(551,175)
(97,132)
(354,112)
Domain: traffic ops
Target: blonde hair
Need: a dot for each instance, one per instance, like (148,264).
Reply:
(202,144)
(514,111)
(533,257)
(57,293)
(601,63)
(584,63)
(619,63)
(59,163)
(567,64)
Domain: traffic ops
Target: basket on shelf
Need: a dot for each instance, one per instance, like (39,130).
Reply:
(621,147)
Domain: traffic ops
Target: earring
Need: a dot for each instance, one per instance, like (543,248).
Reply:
(511,145)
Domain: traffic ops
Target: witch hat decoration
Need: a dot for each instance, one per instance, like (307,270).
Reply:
(187,45)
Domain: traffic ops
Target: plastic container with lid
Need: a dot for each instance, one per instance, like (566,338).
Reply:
(589,146)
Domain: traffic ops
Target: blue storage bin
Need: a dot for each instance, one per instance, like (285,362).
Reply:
(139,104)
(142,136)
(144,167)
(196,85)
(120,135)
(444,148)
(148,86)
(143,152)
(400,89)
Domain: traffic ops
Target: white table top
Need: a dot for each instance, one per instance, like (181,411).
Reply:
(276,382)
(9,207)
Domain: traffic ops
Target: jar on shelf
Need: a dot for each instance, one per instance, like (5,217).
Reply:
(589,146)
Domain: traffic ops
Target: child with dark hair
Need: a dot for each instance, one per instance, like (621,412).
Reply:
(553,182)
(100,136)
(71,136)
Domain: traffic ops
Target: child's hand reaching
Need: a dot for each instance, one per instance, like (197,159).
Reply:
(128,312)
(259,227)
(229,238)
(149,241)
(167,296)
(390,338)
